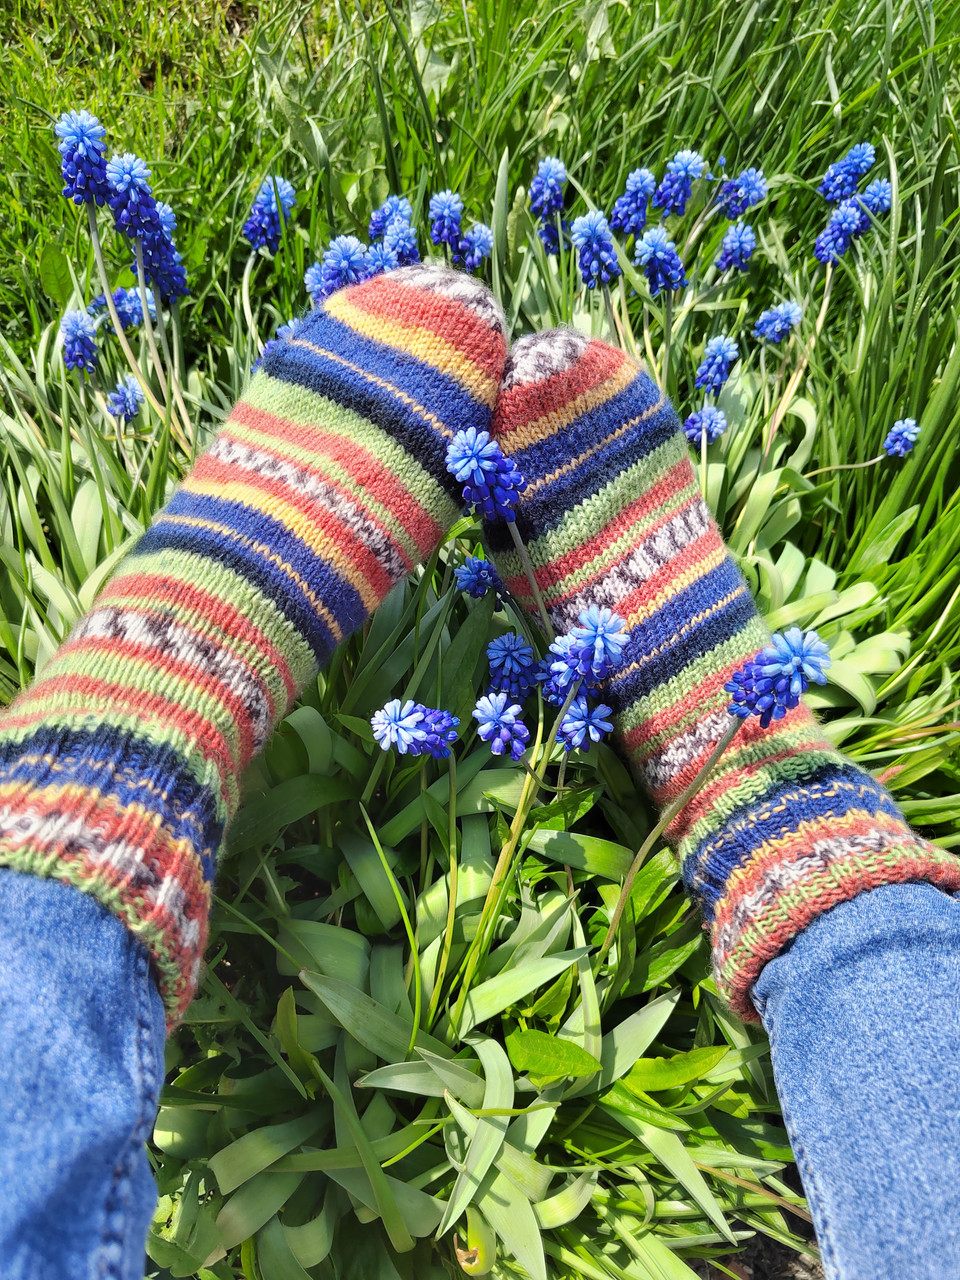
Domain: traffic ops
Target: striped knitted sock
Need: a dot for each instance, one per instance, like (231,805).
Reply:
(120,766)
(787,826)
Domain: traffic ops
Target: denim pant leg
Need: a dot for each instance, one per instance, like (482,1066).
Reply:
(81,1063)
(863,1014)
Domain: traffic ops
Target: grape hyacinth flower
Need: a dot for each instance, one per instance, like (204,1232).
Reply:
(79,341)
(162,264)
(709,422)
(400,242)
(598,258)
(271,208)
(393,207)
(379,259)
(583,722)
(739,194)
(398,726)
(718,356)
(773,683)
(129,307)
(674,191)
(491,482)
(775,323)
(587,652)
(512,665)
(846,221)
(499,723)
(661,264)
(439,729)
(737,247)
(476,245)
(901,438)
(878,196)
(840,180)
(546,189)
(344,262)
(126,398)
(284,331)
(82,161)
(630,210)
(131,197)
(446,215)
(476,577)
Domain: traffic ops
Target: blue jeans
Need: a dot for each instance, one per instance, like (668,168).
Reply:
(864,1025)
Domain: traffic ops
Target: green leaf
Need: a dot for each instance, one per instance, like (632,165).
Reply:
(601,858)
(252,1153)
(55,278)
(485,1134)
(544,1055)
(511,1215)
(462,656)
(253,1205)
(496,994)
(624,1044)
(651,1074)
(274,1255)
(384,1033)
(261,820)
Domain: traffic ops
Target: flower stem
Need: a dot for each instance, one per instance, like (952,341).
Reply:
(791,388)
(845,466)
(245,295)
(451,894)
(667,335)
(528,570)
(666,818)
(147,321)
(115,318)
(174,378)
(616,333)
(498,884)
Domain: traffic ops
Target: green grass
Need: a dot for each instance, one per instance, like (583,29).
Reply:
(270,1072)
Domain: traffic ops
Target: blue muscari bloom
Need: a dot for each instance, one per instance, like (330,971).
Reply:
(737,247)
(709,421)
(400,241)
(162,264)
(126,398)
(546,189)
(774,682)
(775,323)
(630,210)
(400,726)
(446,215)
(344,262)
(901,438)
(288,330)
(499,724)
(82,161)
(601,635)
(846,221)
(739,194)
(79,341)
(476,577)
(512,665)
(583,722)
(129,307)
(598,258)
(380,259)
(263,227)
(674,191)
(878,196)
(131,196)
(840,180)
(550,235)
(718,356)
(491,482)
(476,245)
(658,256)
(440,730)
(393,207)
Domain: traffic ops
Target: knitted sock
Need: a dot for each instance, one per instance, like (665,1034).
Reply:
(787,826)
(120,766)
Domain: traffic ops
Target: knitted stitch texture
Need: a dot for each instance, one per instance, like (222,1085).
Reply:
(787,827)
(120,766)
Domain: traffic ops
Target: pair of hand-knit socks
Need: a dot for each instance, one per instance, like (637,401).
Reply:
(120,765)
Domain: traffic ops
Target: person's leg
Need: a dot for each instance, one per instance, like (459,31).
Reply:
(863,1015)
(81,1064)
(120,767)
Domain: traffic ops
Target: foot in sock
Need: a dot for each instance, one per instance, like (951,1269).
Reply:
(120,766)
(787,826)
